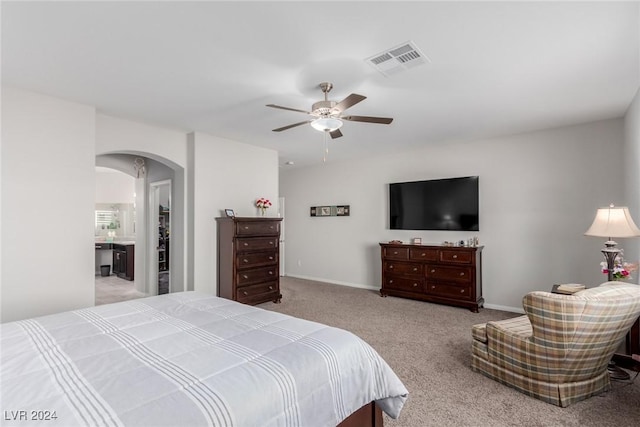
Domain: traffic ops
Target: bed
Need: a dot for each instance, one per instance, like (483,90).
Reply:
(190,359)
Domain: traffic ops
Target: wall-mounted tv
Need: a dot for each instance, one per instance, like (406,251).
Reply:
(438,204)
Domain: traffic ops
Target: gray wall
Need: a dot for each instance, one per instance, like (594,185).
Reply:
(538,195)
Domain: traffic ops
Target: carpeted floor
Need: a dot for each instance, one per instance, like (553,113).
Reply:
(429,348)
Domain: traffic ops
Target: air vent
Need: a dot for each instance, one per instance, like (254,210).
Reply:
(397,59)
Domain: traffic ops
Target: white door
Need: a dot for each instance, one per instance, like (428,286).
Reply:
(282,239)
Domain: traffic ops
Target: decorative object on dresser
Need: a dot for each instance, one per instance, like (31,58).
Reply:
(248,267)
(446,275)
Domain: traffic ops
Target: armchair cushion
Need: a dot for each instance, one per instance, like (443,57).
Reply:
(558,352)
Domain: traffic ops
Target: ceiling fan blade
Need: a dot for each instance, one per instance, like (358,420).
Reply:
(291,126)
(349,101)
(381,120)
(287,108)
(335,134)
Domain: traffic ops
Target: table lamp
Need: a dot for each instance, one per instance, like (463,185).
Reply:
(612,222)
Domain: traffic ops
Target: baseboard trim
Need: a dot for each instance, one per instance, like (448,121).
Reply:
(504,308)
(333,282)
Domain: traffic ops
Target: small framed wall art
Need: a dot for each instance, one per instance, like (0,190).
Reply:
(340,210)
(229,213)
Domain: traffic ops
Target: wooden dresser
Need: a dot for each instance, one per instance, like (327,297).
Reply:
(443,274)
(248,265)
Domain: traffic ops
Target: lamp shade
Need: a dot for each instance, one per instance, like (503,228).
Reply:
(327,124)
(613,222)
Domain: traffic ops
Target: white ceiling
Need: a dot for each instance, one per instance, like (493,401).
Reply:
(495,68)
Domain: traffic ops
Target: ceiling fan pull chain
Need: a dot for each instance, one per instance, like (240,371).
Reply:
(326,147)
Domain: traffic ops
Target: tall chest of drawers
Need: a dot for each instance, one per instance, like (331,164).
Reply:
(442,274)
(248,259)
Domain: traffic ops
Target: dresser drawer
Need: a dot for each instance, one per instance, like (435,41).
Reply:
(449,291)
(259,292)
(257,275)
(423,254)
(256,259)
(403,283)
(446,273)
(456,257)
(399,267)
(258,228)
(257,244)
(395,253)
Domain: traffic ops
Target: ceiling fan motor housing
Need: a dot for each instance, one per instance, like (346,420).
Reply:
(324,108)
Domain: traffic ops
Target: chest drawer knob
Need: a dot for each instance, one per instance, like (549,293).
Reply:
(245,293)
(270,273)
(270,258)
(245,260)
(433,270)
(270,288)
(415,268)
(433,286)
(246,227)
(391,267)
(245,276)
(246,244)
(271,243)
(423,254)
(462,273)
(415,285)
(391,281)
(462,291)
(455,256)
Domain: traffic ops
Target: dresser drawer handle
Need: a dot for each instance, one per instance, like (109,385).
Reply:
(455,256)
(391,281)
(423,254)
(270,288)
(433,286)
(391,267)
(245,276)
(395,252)
(246,244)
(270,257)
(245,293)
(462,273)
(415,285)
(245,260)
(246,227)
(433,271)
(270,273)
(462,291)
(415,268)
(271,227)
(271,243)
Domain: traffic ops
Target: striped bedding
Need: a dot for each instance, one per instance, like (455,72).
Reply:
(187,359)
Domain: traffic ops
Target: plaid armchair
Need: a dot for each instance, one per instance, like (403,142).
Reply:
(559,351)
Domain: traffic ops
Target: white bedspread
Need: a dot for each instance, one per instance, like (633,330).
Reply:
(187,359)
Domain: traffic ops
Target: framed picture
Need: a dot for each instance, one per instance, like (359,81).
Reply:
(417,240)
(325,210)
(229,213)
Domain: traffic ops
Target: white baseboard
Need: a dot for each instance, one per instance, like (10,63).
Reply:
(358,285)
(504,308)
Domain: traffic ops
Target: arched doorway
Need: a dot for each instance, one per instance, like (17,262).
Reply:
(147,169)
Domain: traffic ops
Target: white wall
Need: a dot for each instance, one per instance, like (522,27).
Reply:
(226,174)
(632,178)
(48,192)
(538,195)
(114,187)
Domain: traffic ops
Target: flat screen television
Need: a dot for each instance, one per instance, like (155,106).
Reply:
(438,204)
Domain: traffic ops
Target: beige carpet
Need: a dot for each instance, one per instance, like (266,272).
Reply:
(429,347)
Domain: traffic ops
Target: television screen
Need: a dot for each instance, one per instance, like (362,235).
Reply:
(439,204)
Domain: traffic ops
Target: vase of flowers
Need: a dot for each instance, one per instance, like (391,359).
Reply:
(621,269)
(263,204)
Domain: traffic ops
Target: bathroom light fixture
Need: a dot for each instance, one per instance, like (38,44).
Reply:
(327,124)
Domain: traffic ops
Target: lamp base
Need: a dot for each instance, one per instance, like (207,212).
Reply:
(617,373)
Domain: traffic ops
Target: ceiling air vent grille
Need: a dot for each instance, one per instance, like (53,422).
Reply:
(397,59)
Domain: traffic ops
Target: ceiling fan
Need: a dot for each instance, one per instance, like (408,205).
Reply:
(328,115)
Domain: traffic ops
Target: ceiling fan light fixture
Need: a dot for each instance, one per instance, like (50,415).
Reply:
(327,124)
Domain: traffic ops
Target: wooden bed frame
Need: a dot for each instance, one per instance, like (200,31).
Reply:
(367,416)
